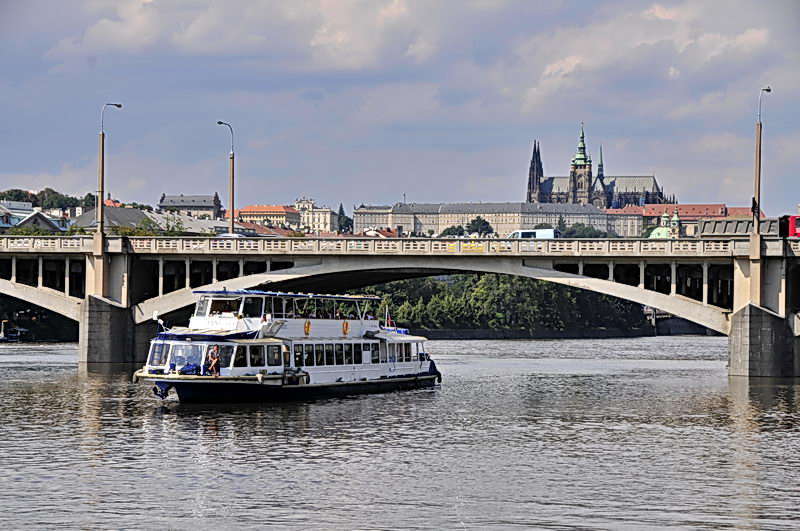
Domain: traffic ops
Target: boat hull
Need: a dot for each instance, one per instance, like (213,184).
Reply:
(211,391)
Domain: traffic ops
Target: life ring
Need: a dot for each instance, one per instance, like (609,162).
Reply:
(307,327)
(345,328)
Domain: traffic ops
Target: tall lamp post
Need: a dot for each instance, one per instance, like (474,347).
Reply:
(755,235)
(757,184)
(101,170)
(230,180)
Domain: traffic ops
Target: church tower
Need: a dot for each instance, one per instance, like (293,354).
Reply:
(599,193)
(580,174)
(535,175)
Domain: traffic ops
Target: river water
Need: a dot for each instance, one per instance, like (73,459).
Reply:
(606,434)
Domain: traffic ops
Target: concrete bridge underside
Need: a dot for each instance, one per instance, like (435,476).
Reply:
(339,273)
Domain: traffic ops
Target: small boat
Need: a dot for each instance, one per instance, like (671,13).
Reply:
(12,335)
(253,346)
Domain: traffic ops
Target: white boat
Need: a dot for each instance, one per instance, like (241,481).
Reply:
(277,346)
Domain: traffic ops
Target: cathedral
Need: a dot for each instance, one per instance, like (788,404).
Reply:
(583,188)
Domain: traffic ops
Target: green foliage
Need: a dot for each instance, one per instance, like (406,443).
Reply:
(146,227)
(28,231)
(579,230)
(501,302)
(562,225)
(15,194)
(453,231)
(345,221)
(479,226)
(140,206)
(544,226)
(89,201)
(174,226)
(296,234)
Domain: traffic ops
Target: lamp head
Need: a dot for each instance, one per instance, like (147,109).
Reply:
(767,89)
(220,122)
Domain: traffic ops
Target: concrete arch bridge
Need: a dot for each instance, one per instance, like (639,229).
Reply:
(112,285)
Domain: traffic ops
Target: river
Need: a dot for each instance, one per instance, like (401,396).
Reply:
(608,434)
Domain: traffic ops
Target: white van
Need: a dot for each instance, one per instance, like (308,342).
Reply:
(535,234)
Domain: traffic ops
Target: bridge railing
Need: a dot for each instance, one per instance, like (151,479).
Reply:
(46,244)
(429,246)
(399,246)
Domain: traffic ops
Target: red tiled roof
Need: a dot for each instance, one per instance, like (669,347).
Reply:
(687,212)
(741,212)
(268,209)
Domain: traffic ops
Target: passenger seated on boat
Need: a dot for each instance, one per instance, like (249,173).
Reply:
(213,360)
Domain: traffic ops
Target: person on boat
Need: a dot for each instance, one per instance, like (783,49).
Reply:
(213,360)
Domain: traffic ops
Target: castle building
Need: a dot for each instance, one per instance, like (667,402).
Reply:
(581,187)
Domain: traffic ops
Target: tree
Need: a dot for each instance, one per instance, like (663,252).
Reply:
(562,225)
(579,230)
(15,194)
(89,201)
(543,226)
(479,226)
(453,231)
(345,221)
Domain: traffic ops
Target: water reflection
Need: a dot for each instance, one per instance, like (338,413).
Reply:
(642,433)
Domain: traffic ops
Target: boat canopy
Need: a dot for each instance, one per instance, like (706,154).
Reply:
(240,292)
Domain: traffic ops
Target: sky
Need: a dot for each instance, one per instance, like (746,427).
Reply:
(350,101)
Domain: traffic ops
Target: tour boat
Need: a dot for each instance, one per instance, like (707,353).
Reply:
(251,346)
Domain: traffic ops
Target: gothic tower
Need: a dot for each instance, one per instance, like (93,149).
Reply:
(599,193)
(580,174)
(535,175)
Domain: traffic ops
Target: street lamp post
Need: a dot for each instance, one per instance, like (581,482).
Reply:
(757,176)
(101,170)
(230,179)
(755,235)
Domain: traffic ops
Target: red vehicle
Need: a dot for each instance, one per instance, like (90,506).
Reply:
(790,226)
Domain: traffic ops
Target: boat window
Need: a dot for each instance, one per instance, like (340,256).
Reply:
(383,352)
(320,353)
(240,360)
(219,306)
(375,356)
(287,356)
(201,309)
(182,355)
(339,354)
(407,351)
(357,354)
(158,354)
(348,354)
(392,353)
(257,355)
(298,355)
(273,355)
(329,354)
(225,354)
(309,355)
(252,307)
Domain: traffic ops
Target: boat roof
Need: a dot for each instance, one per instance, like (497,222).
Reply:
(238,292)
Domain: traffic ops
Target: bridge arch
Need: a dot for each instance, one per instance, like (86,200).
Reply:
(46,298)
(376,269)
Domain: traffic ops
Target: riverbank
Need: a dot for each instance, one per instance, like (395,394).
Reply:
(665,327)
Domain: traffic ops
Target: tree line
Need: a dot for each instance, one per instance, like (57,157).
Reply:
(501,302)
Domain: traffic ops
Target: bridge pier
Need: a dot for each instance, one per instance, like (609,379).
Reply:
(109,334)
(762,343)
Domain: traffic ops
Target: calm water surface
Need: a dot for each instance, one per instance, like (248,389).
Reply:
(607,434)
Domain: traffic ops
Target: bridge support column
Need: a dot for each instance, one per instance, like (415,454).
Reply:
(762,343)
(705,283)
(40,275)
(673,278)
(188,268)
(580,267)
(66,276)
(642,267)
(160,276)
(214,270)
(14,269)
(611,271)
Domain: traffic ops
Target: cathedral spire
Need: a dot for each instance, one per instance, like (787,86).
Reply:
(580,157)
(535,175)
(600,172)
